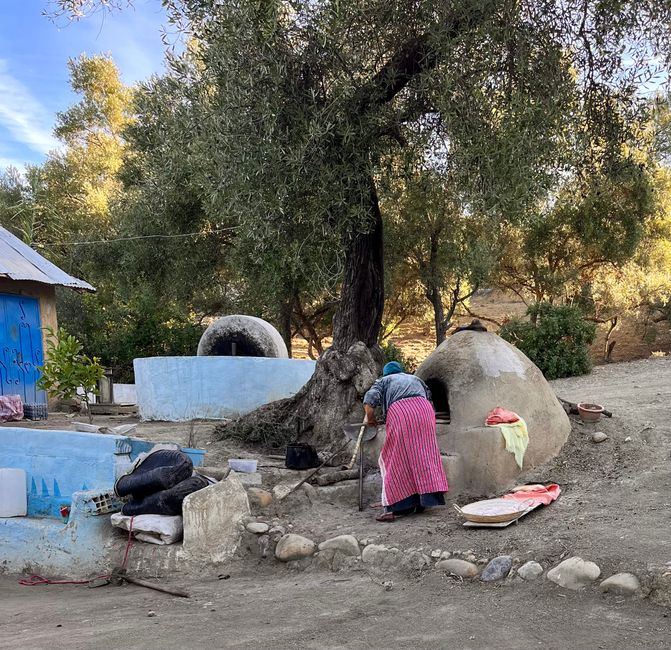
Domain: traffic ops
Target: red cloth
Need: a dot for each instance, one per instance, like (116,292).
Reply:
(501,416)
(536,494)
(410,458)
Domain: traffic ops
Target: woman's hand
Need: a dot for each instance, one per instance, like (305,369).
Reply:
(371,420)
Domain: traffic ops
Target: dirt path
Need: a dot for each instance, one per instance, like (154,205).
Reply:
(275,609)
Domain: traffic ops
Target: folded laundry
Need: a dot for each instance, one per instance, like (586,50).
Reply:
(535,494)
(501,416)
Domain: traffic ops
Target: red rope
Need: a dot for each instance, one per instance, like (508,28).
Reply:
(39,580)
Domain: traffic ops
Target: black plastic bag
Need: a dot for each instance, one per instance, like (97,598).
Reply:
(301,456)
(166,502)
(160,470)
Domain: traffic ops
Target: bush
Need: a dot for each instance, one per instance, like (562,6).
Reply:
(392,352)
(556,339)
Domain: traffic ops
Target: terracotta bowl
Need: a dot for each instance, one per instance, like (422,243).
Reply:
(590,412)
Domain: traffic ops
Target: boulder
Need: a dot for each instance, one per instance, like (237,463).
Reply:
(459,568)
(470,374)
(259,498)
(381,556)
(574,573)
(599,436)
(623,584)
(294,547)
(530,571)
(497,569)
(211,519)
(346,544)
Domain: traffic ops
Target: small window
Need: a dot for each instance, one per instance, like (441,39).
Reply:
(439,397)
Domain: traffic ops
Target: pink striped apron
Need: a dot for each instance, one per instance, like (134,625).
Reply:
(410,458)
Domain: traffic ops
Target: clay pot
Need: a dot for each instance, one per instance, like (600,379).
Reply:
(590,412)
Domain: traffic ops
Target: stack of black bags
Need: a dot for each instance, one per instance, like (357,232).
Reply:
(159,484)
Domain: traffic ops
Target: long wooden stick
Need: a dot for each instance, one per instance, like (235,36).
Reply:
(356,447)
(155,587)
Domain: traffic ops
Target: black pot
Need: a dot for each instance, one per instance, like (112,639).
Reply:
(301,456)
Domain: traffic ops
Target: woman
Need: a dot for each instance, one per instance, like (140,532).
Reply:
(413,477)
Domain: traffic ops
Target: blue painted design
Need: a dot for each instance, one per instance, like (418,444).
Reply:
(20,348)
(33,488)
(57,491)
(45,490)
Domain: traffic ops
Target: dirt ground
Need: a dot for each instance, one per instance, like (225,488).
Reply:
(615,510)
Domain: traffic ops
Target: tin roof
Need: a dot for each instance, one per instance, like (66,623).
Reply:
(19,261)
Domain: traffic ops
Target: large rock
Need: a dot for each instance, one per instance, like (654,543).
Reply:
(211,519)
(242,336)
(622,584)
(458,567)
(574,573)
(470,374)
(294,547)
(530,571)
(497,569)
(382,556)
(346,544)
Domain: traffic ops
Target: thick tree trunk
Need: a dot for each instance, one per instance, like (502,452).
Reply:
(285,322)
(439,320)
(359,314)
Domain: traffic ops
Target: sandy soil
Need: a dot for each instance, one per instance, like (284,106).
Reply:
(615,510)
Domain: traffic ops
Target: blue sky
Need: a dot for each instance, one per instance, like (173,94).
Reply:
(33,66)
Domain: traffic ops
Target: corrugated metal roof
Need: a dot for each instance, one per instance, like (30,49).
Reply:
(19,261)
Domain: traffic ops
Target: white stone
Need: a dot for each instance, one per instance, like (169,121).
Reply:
(381,556)
(346,544)
(257,527)
(294,547)
(211,518)
(622,584)
(416,560)
(445,555)
(574,573)
(436,553)
(599,436)
(459,568)
(530,571)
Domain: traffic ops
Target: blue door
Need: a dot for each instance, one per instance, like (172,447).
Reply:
(20,348)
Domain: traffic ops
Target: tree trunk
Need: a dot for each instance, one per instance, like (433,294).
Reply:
(285,321)
(608,345)
(359,314)
(439,321)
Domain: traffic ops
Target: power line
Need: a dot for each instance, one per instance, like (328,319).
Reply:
(135,238)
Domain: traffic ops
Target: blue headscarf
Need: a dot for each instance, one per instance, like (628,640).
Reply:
(392,368)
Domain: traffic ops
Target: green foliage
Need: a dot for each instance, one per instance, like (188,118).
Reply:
(557,339)
(67,369)
(392,352)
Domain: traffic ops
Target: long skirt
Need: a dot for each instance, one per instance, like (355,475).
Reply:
(412,472)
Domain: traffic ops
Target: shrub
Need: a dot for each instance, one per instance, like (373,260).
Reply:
(392,352)
(556,339)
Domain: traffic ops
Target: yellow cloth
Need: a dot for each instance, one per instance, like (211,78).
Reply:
(517,438)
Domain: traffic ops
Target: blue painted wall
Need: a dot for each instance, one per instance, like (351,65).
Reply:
(185,388)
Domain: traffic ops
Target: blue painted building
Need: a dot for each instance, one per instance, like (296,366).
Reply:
(28,284)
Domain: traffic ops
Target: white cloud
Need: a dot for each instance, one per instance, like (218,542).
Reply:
(23,116)
(11,162)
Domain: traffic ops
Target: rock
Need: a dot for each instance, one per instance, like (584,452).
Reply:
(497,569)
(277,532)
(445,555)
(151,613)
(574,573)
(436,553)
(346,544)
(622,584)
(471,557)
(599,436)
(381,556)
(627,439)
(281,490)
(294,547)
(310,492)
(259,498)
(264,543)
(211,519)
(530,571)
(459,568)
(415,560)
(661,589)
(258,527)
